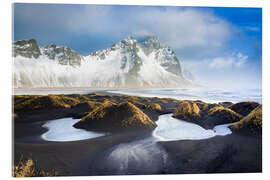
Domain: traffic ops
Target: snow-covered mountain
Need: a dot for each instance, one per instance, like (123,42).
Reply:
(129,63)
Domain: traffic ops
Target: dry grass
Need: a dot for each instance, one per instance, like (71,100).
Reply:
(252,122)
(50,101)
(187,109)
(154,107)
(244,108)
(137,117)
(124,115)
(14,116)
(224,113)
(79,97)
(29,168)
(99,111)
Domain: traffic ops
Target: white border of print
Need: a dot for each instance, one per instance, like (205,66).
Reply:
(6,68)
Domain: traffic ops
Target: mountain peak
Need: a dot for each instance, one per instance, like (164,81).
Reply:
(140,62)
(26,48)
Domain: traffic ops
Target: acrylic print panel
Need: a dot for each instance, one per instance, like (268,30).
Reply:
(119,90)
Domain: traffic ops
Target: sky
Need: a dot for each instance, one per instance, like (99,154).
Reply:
(220,46)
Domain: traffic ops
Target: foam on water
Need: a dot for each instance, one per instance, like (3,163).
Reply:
(205,94)
(63,130)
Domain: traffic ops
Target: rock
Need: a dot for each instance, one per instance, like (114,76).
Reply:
(26,48)
(250,124)
(165,56)
(187,110)
(244,108)
(64,55)
(131,67)
(113,117)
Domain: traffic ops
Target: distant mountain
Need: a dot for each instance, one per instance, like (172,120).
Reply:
(30,49)
(129,63)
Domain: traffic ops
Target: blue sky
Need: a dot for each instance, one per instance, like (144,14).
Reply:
(220,46)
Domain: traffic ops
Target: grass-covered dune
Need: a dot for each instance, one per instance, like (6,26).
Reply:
(204,114)
(108,112)
(123,116)
(97,111)
(252,123)
(129,118)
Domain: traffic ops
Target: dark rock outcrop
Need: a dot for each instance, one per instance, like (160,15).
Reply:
(30,49)
(26,48)
(64,55)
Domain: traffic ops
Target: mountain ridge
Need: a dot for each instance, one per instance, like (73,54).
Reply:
(144,63)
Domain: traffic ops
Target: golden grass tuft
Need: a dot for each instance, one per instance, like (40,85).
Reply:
(244,108)
(154,107)
(252,122)
(110,115)
(98,112)
(14,116)
(137,117)
(30,169)
(186,110)
(221,109)
(219,112)
(50,101)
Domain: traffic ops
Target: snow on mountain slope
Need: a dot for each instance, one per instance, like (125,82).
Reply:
(129,63)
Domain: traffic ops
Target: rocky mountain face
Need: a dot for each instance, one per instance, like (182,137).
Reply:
(26,48)
(163,55)
(129,63)
(150,46)
(30,49)
(64,55)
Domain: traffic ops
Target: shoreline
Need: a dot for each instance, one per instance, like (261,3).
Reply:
(133,92)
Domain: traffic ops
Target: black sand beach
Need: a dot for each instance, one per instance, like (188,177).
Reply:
(235,153)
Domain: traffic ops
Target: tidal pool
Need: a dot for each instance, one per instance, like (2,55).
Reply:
(63,130)
(171,129)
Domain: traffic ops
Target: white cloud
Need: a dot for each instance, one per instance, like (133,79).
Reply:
(181,28)
(189,30)
(178,28)
(236,60)
(221,62)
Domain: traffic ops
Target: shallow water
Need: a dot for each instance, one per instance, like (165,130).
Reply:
(204,94)
(171,129)
(168,129)
(62,130)
(146,156)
